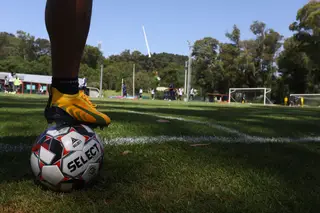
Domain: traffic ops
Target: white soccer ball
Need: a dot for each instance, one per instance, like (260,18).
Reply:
(66,158)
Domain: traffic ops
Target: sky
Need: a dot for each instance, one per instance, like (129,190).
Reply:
(169,24)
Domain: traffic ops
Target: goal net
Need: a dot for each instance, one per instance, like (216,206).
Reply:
(250,95)
(312,100)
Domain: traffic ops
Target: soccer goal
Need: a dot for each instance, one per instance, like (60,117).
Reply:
(308,100)
(250,95)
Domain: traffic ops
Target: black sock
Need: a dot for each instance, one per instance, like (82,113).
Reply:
(66,85)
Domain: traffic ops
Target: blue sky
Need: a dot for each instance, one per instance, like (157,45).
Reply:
(169,23)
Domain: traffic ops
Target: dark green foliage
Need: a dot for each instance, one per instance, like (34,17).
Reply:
(23,53)
(287,66)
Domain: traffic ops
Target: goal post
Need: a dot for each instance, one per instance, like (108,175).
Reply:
(264,92)
(308,99)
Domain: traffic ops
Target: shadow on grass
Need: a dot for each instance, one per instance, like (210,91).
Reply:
(295,165)
(14,161)
(123,125)
(135,125)
(254,120)
(23,105)
(251,120)
(175,177)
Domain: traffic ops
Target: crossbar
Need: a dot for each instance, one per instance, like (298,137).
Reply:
(265,90)
(305,94)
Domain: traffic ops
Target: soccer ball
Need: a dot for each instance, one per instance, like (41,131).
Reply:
(66,158)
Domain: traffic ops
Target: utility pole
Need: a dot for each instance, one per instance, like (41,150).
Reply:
(185,77)
(133,80)
(122,87)
(189,70)
(101,76)
(101,69)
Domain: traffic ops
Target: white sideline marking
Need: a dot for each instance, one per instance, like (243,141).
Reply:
(9,148)
(6,148)
(238,138)
(211,139)
(216,126)
(242,137)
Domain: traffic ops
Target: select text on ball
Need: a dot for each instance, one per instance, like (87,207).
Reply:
(80,161)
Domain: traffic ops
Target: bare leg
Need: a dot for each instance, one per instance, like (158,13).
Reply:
(68,23)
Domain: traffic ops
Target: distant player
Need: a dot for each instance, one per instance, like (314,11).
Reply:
(192,94)
(83,87)
(11,80)
(152,94)
(286,101)
(243,99)
(140,93)
(16,83)
(180,94)
(6,84)
(124,90)
(302,101)
(291,101)
(171,92)
(68,23)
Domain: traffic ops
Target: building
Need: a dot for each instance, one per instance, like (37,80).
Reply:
(32,84)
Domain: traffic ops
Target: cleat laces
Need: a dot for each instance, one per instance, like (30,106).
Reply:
(86,98)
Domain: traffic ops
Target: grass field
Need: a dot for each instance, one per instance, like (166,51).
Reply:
(253,159)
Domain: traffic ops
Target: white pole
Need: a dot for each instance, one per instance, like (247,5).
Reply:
(101,76)
(122,87)
(317,94)
(189,71)
(101,69)
(185,77)
(265,96)
(145,38)
(229,96)
(133,79)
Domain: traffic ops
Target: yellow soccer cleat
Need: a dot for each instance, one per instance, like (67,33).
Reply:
(73,109)
(86,98)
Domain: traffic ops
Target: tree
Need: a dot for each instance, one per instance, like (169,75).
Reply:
(27,48)
(91,56)
(293,67)
(247,64)
(234,36)
(205,53)
(42,47)
(229,62)
(144,80)
(217,66)
(172,74)
(5,44)
(229,67)
(266,45)
(299,63)
(115,72)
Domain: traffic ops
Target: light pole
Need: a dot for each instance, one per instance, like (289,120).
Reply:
(133,80)
(189,70)
(185,77)
(101,68)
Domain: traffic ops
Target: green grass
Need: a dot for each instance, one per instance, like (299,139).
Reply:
(174,176)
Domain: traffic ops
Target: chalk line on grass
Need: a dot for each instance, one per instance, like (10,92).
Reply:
(6,148)
(210,139)
(241,137)
(237,138)
(216,126)
(17,148)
